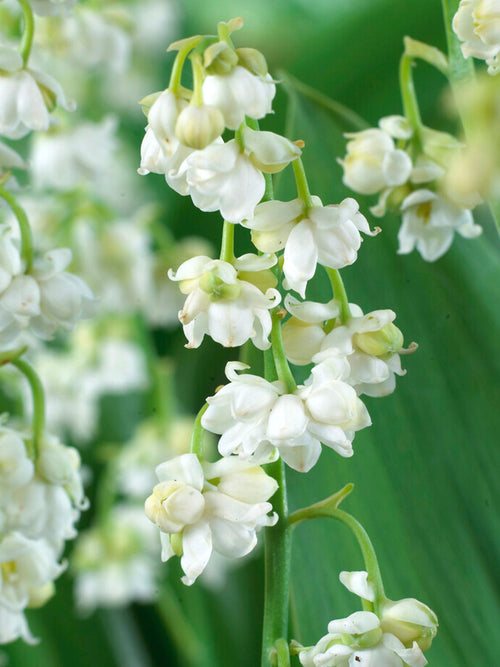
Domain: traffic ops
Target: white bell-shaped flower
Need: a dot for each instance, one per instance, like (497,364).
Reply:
(239,93)
(371,344)
(477,25)
(24,95)
(9,159)
(13,625)
(253,415)
(223,178)
(429,223)
(327,235)
(200,507)
(373,162)
(221,305)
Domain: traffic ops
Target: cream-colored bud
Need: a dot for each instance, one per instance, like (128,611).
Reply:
(217,288)
(219,59)
(40,596)
(386,341)
(173,505)
(252,60)
(268,151)
(199,126)
(410,621)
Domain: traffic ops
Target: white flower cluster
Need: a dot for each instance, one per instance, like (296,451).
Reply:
(432,210)
(202,507)
(40,500)
(396,637)
(476,25)
(44,298)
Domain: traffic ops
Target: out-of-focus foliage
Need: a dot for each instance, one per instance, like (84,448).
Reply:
(424,473)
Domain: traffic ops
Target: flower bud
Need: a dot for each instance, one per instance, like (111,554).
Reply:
(173,505)
(197,127)
(386,341)
(219,58)
(410,621)
(252,60)
(215,286)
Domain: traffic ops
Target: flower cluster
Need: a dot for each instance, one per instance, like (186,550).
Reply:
(200,507)
(41,498)
(395,637)
(411,179)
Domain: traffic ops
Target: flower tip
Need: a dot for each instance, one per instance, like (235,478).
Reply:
(300,143)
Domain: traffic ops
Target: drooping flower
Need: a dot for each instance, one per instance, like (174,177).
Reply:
(373,162)
(16,468)
(229,309)
(429,223)
(24,95)
(200,507)
(327,235)
(239,93)
(254,415)
(476,25)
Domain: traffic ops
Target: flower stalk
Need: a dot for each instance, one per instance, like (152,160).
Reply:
(38,401)
(28,31)
(27,251)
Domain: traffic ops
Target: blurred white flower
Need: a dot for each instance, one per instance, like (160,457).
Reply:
(221,305)
(476,24)
(429,223)
(373,162)
(52,7)
(68,159)
(200,507)
(16,468)
(13,625)
(9,159)
(27,97)
(327,235)
(116,563)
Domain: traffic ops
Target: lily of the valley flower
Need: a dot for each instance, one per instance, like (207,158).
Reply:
(359,640)
(371,344)
(200,507)
(373,162)
(327,235)
(239,93)
(44,299)
(16,468)
(27,97)
(410,620)
(220,304)
(429,223)
(476,25)
(254,415)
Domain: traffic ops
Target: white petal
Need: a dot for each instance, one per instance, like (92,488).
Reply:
(197,548)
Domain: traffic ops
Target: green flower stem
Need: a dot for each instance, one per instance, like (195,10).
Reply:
(409,99)
(223,33)
(38,401)
(180,630)
(184,50)
(9,356)
(277,565)
(197,66)
(227,243)
(282,653)
(278,553)
(280,360)
(349,117)
(328,508)
(339,293)
(301,181)
(28,31)
(198,431)
(462,74)
(24,226)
